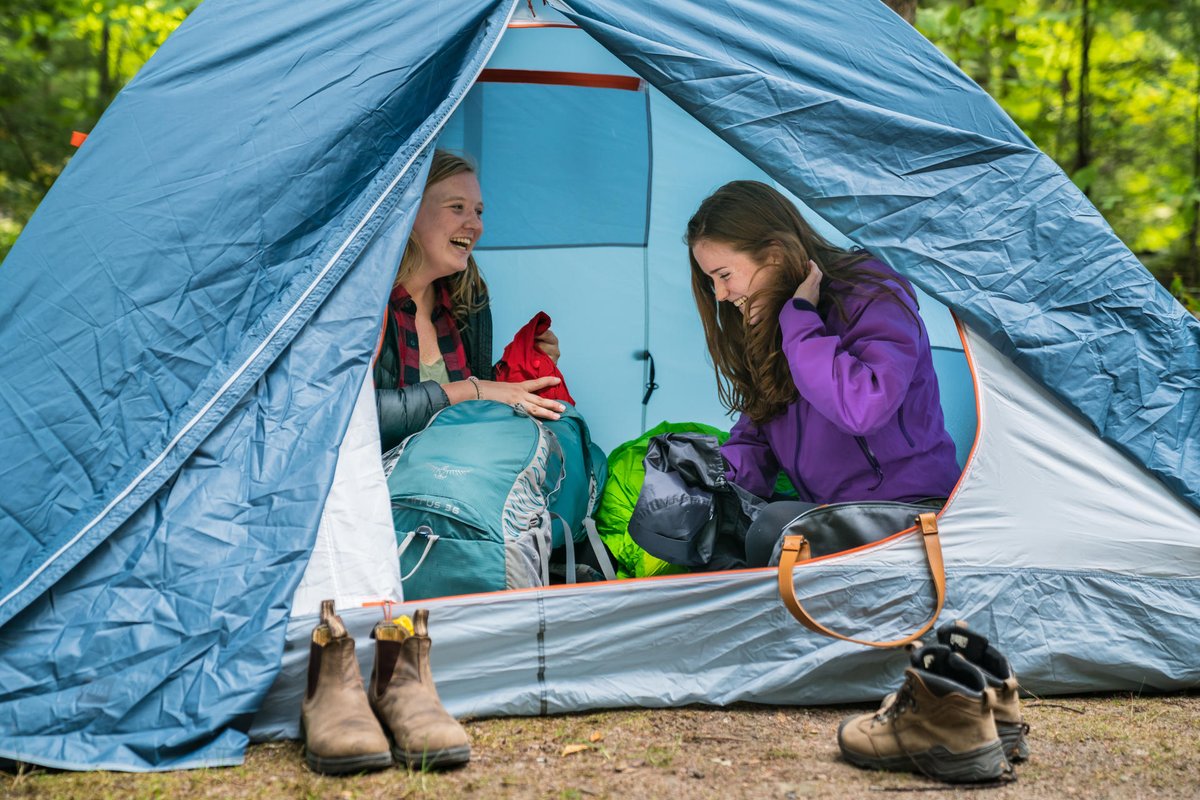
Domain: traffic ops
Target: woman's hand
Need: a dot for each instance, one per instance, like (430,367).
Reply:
(525,395)
(547,342)
(810,288)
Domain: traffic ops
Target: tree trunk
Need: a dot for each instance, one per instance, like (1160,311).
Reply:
(104,88)
(907,9)
(1083,126)
(35,174)
(1193,265)
(1062,130)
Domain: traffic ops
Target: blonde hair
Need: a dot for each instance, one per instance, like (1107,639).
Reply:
(468,292)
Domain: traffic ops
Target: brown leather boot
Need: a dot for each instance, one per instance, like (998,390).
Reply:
(340,733)
(939,724)
(405,698)
(995,667)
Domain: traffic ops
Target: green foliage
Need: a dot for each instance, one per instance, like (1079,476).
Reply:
(1140,166)
(1189,300)
(61,64)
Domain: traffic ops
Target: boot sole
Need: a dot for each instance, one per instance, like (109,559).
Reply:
(986,763)
(1012,736)
(424,760)
(347,764)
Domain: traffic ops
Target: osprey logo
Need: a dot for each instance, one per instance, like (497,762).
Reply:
(443,471)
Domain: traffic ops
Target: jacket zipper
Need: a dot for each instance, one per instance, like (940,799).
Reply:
(904,430)
(871,459)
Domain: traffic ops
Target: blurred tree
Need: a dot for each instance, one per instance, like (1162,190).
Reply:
(907,9)
(61,64)
(1111,91)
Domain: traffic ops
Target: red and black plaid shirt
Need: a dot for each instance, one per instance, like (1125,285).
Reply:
(404,315)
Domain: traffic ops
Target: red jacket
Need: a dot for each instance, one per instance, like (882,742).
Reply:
(523,360)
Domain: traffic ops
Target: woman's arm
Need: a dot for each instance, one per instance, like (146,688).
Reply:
(752,463)
(858,379)
(405,411)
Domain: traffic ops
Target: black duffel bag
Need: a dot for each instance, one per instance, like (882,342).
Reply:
(836,528)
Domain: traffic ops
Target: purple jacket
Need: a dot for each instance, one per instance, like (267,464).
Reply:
(868,423)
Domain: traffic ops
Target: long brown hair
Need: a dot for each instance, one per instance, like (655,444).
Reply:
(753,376)
(468,292)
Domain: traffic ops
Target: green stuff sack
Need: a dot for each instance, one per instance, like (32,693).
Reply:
(625,476)
(626,473)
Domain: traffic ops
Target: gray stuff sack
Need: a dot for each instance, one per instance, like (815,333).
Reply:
(688,513)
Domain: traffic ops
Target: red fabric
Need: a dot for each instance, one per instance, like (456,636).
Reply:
(523,360)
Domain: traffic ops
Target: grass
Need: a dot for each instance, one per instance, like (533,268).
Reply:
(1111,746)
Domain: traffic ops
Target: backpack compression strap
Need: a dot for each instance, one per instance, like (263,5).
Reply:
(795,548)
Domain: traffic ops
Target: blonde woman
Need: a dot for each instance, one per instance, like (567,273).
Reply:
(437,341)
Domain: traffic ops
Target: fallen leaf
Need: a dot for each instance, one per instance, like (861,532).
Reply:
(572,749)
(596,736)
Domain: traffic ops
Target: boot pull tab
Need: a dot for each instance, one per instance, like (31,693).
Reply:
(989,698)
(336,628)
(421,622)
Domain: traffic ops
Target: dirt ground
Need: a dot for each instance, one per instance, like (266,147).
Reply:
(1111,746)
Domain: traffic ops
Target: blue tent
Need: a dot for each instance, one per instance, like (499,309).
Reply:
(190,316)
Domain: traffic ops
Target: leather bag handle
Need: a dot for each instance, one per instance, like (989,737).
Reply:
(796,548)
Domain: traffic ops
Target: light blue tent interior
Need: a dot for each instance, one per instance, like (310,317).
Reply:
(597,210)
(192,312)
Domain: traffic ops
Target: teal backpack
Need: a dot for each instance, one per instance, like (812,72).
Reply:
(482,494)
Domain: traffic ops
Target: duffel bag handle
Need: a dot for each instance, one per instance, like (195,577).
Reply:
(796,548)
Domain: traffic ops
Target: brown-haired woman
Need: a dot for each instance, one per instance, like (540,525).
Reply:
(824,355)
(437,340)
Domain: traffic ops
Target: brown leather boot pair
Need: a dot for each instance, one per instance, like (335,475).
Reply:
(957,717)
(341,723)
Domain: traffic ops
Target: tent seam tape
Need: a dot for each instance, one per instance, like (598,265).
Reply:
(541,645)
(268,340)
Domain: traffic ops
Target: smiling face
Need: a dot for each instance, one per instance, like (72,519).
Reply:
(735,275)
(449,223)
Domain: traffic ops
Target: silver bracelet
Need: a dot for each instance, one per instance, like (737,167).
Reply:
(475,382)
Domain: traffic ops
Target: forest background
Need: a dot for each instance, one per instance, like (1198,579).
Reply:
(1110,89)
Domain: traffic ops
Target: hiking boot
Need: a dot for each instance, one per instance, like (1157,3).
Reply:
(340,733)
(402,692)
(995,668)
(939,724)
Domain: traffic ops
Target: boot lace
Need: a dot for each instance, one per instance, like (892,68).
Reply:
(902,701)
